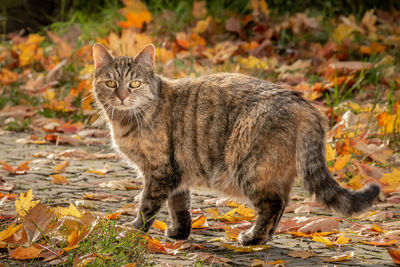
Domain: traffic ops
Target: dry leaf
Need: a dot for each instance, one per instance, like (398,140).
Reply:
(322,239)
(120,185)
(70,211)
(25,203)
(341,162)
(395,254)
(254,248)
(160,225)
(61,167)
(200,222)
(303,254)
(21,253)
(339,257)
(59,179)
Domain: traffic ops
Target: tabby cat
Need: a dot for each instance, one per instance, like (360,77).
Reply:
(229,132)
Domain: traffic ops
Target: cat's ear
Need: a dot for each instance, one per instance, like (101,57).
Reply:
(101,56)
(146,57)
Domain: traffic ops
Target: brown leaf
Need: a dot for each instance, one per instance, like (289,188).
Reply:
(21,253)
(234,25)
(63,49)
(120,185)
(309,225)
(303,254)
(37,222)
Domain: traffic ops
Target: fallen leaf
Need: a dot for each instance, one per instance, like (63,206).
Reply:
(114,216)
(322,239)
(70,211)
(395,254)
(341,162)
(61,167)
(120,185)
(25,203)
(339,257)
(59,179)
(103,171)
(341,240)
(381,244)
(200,222)
(21,253)
(156,246)
(254,248)
(9,231)
(160,225)
(303,254)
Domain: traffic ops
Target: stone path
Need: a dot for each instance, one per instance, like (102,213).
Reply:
(82,182)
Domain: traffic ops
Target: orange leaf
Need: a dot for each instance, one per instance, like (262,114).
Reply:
(21,253)
(136,19)
(115,215)
(376,228)
(9,231)
(59,179)
(7,167)
(22,168)
(341,162)
(160,225)
(381,244)
(200,222)
(61,167)
(395,254)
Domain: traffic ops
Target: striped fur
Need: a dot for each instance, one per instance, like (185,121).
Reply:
(236,134)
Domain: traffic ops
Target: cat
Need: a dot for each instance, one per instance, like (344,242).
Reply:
(233,133)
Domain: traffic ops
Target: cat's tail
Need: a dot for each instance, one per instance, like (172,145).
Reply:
(312,166)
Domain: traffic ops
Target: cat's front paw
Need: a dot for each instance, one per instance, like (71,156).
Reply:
(178,232)
(138,224)
(248,238)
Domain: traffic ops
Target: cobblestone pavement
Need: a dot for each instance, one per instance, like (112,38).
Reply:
(82,182)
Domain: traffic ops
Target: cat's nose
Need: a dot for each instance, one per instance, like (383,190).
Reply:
(122,97)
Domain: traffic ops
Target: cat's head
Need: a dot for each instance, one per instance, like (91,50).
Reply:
(124,83)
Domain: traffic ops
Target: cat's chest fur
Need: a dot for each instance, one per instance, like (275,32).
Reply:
(142,147)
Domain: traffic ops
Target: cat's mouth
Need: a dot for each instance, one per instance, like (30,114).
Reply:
(122,107)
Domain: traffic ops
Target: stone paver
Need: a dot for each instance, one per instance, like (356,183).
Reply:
(82,182)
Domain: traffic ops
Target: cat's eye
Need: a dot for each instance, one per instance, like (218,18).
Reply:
(111,84)
(134,84)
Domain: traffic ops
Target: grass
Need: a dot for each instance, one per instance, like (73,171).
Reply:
(111,246)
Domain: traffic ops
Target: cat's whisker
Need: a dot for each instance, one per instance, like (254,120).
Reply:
(86,97)
(144,113)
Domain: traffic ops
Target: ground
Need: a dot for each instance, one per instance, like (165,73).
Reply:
(83,183)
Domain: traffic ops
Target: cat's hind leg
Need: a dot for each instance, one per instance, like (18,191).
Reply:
(270,209)
(179,205)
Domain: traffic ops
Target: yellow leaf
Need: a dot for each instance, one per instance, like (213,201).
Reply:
(214,212)
(342,240)
(160,225)
(339,258)
(25,203)
(391,179)
(200,222)
(61,167)
(9,231)
(342,31)
(29,49)
(246,213)
(330,152)
(341,162)
(255,248)
(231,203)
(390,122)
(377,228)
(71,211)
(276,262)
(322,239)
(355,182)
